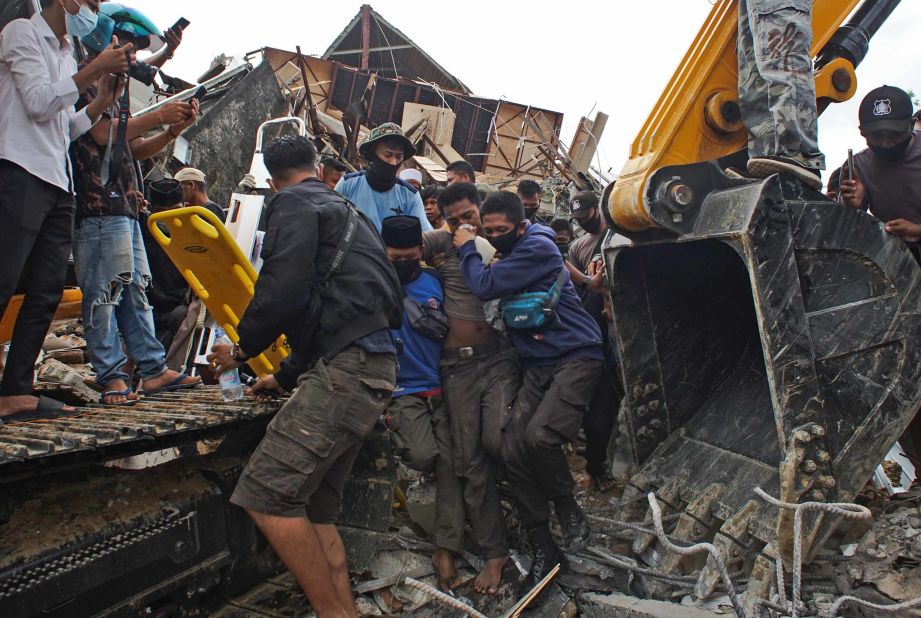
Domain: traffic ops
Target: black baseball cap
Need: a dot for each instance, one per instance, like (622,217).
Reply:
(886,108)
(582,202)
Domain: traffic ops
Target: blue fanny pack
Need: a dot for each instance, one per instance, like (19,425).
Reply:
(532,309)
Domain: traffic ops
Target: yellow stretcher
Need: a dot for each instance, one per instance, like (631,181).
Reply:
(69,307)
(218,272)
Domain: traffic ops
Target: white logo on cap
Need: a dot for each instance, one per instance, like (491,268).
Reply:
(576,205)
(882,107)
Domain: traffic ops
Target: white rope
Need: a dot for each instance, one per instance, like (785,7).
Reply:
(844,509)
(694,549)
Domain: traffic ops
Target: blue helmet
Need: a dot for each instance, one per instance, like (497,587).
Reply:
(128,24)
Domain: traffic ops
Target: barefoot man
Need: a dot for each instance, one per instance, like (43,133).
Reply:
(479,372)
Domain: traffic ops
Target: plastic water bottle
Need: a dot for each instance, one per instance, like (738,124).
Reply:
(231,386)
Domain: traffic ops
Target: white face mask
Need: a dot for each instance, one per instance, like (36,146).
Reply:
(82,23)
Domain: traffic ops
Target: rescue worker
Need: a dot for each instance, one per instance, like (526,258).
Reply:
(413,177)
(345,369)
(564,235)
(562,361)
(417,415)
(479,373)
(331,170)
(887,182)
(432,212)
(377,191)
(460,171)
(777,89)
(195,192)
(529,194)
(584,263)
(887,175)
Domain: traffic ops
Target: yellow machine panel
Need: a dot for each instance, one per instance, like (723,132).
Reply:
(69,307)
(688,125)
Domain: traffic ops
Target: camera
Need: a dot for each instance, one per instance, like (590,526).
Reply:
(143,72)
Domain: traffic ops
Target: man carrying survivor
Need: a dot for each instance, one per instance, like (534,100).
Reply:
(562,361)
(417,417)
(345,368)
(479,373)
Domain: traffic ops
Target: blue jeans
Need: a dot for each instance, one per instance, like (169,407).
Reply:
(112,272)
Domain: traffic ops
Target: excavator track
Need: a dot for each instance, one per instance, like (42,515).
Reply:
(99,432)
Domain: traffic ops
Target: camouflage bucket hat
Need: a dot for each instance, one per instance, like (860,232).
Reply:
(388,130)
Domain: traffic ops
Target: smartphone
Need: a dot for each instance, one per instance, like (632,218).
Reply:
(850,164)
(182,24)
(200,93)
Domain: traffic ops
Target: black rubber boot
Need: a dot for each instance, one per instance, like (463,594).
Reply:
(546,553)
(574,525)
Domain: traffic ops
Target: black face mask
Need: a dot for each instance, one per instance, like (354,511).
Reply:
(891,153)
(564,248)
(529,213)
(591,226)
(505,243)
(407,270)
(381,175)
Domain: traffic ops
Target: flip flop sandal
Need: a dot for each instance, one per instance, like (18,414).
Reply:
(175,385)
(125,393)
(47,408)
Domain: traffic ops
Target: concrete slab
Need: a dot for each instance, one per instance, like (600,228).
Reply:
(593,605)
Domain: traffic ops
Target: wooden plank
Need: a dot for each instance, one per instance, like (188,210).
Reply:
(585,143)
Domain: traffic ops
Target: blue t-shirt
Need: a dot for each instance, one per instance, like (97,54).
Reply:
(402,199)
(420,355)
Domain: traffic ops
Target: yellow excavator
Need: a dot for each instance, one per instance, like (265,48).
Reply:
(768,337)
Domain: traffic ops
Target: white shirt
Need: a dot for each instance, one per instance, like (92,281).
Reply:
(37,97)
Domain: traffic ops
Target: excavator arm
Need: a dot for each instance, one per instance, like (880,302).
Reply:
(697,116)
(767,337)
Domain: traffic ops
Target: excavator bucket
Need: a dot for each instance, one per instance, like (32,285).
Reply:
(774,342)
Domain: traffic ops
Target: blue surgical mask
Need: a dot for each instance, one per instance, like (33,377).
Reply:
(81,24)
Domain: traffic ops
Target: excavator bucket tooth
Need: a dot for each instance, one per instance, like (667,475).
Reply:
(778,318)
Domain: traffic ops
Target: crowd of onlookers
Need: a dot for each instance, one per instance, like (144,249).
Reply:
(477,328)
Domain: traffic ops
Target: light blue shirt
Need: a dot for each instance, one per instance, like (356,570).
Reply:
(400,200)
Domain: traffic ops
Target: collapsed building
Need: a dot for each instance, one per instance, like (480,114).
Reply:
(372,74)
(84,533)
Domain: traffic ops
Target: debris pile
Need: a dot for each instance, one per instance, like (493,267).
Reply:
(884,566)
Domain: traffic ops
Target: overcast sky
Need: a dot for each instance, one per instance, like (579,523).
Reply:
(569,57)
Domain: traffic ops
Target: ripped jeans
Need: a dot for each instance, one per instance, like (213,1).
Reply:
(112,272)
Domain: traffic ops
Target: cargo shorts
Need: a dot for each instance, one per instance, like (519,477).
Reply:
(301,466)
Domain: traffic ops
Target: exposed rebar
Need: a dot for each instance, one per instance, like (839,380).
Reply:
(887,609)
(441,597)
(694,549)
(844,509)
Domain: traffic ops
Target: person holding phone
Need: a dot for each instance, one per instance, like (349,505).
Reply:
(109,255)
(39,84)
(886,177)
(173,38)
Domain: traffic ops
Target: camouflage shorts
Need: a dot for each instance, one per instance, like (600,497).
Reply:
(305,458)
